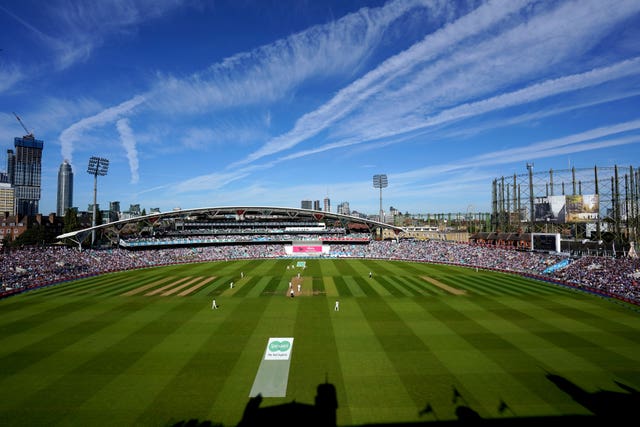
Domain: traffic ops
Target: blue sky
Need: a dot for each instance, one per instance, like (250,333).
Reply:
(222,103)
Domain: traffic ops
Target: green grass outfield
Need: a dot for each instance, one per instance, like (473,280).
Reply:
(144,347)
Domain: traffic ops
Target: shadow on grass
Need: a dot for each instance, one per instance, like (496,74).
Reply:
(607,408)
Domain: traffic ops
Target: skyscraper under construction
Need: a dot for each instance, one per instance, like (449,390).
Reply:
(24,169)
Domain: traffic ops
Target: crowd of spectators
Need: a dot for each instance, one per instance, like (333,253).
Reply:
(34,267)
(619,277)
(616,276)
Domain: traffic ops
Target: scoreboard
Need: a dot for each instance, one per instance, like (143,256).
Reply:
(547,242)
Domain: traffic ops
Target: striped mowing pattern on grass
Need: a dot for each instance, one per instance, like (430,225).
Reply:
(143,288)
(442,286)
(197,286)
(146,345)
(165,288)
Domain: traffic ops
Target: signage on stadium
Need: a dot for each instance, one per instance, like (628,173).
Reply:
(278,349)
(582,208)
(307,248)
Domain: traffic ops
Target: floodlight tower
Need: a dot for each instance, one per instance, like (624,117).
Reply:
(380,181)
(97,166)
(531,204)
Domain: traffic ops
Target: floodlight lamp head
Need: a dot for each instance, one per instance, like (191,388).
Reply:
(98,166)
(380,181)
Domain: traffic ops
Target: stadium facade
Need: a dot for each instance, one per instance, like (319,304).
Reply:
(301,230)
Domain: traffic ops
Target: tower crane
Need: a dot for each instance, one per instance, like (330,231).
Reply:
(29,134)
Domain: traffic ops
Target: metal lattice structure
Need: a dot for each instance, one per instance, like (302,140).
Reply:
(589,202)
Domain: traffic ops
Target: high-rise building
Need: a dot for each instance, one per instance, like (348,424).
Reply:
(11,165)
(7,199)
(343,208)
(65,188)
(316,205)
(114,211)
(327,204)
(306,204)
(24,168)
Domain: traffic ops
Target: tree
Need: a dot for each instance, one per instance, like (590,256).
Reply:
(144,211)
(6,243)
(71,221)
(32,236)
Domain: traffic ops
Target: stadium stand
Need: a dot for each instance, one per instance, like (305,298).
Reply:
(30,268)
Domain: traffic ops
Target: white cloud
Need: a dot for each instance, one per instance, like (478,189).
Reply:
(371,108)
(592,139)
(258,76)
(78,30)
(353,96)
(129,144)
(208,182)
(75,132)
(255,76)
(500,58)
(9,77)
(396,120)
(386,135)
(69,33)
(196,138)
(451,85)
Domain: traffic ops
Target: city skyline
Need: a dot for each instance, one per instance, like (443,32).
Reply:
(267,102)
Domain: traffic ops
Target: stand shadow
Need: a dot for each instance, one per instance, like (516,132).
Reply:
(606,407)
